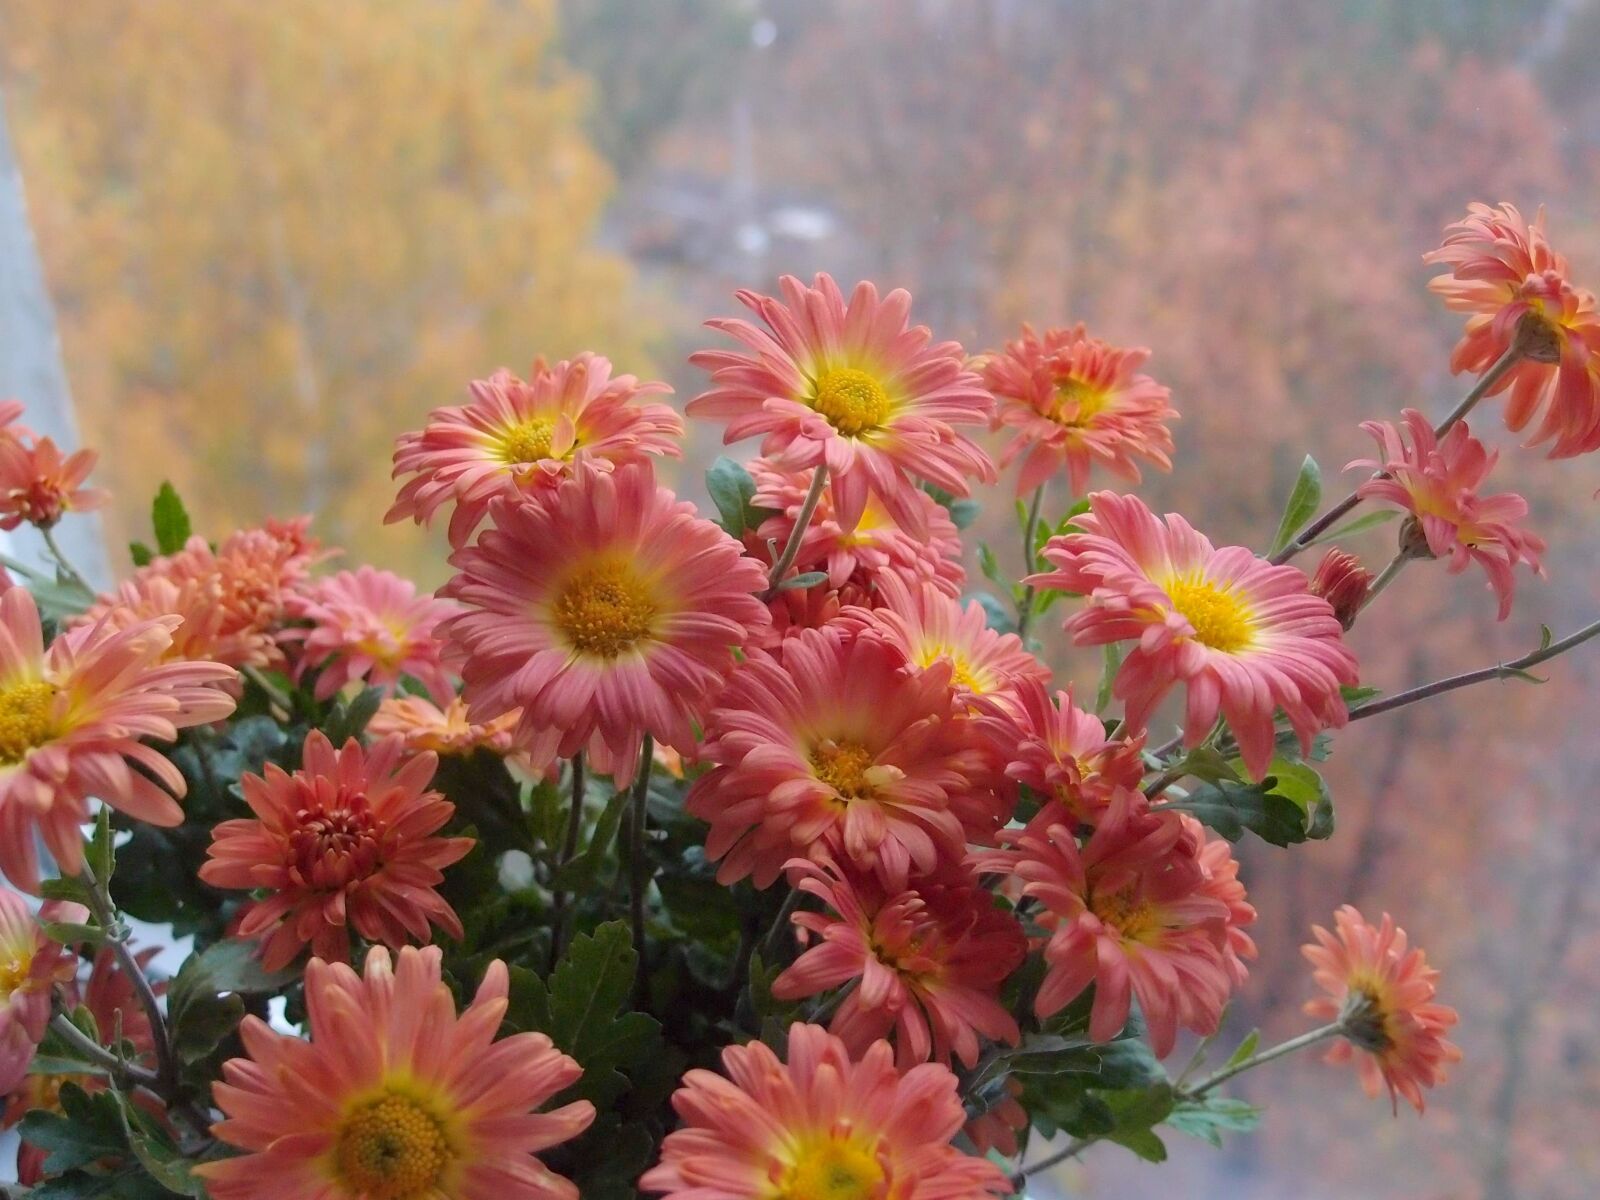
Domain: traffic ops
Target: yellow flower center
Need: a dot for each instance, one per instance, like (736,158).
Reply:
(1366,1016)
(1220,618)
(1078,403)
(392,1149)
(843,766)
(26,719)
(833,1168)
(852,400)
(605,610)
(962,673)
(14,968)
(528,441)
(1130,915)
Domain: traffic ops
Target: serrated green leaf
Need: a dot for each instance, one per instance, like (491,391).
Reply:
(1135,1113)
(1232,808)
(1304,499)
(87,1129)
(156,1155)
(170,519)
(1208,1119)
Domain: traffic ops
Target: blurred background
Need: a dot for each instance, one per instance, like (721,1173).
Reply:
(271,237)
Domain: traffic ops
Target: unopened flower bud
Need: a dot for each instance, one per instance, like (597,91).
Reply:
(1342,581)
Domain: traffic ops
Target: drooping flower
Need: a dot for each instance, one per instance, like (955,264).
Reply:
(423,726)
(608,612)
(345,843)
(1383,991)
(997,1129)
(928,627)
(233,600)
(1517,291)
(76,719)
(372,626)
(834,752)
(853,560)
(853,386)
(821,1127)
(1062,754)
(1133,915)
(519,439)
(394,1097)
(38,486)
(31,966)
(928,961)
(1074,402)
(1438,483)
(1243,636)
(1344,583)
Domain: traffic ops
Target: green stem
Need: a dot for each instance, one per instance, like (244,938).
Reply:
(569,851)
(1386,576)
(93,1052)
(771,944)
(276,696)
(791,548)
(1310,1038)
(62,561)
(1029,562)
(638,869)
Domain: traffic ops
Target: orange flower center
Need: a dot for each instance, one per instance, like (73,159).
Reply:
(26,719)
(1078,403)
(1366,1017)
(333,846)
(1129,914)
(852,400)
(393,1148)
(1220,618)
(605,610)
(833,1167)
(529,441)
(843,766)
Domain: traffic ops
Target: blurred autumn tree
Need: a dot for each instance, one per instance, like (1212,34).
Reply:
(278,233)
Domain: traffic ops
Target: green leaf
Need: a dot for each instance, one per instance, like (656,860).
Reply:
(806,579)
(88,1128)
(102,849)
(140,553)
(583,1007)
(731,489)
(1360,525)
(349,720)
(963,512)
(996,615)
(1232,808)
(53,1064)
(70,933)
(156,1154)
(1135,1113)
(1209,1118)
(990,566)
(579,874)
(1304,499)
(69,888)
(1246,1048)
(171,520)
(205,1001)
(1111,660)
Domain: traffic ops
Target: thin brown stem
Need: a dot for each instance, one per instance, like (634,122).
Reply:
(1309,1038)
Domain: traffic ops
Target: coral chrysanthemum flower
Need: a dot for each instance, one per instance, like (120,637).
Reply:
(1062,754)
(928,960)
(345,843)
(1075,401)
(1344,583)
(394,1097)
(74,720)
(370,625)
(610,611)
(233,600)
(1244,636)
(38,486)
(1438,483)
(835,752)
(519,438)
(1504,273)
(1383,992)
(1133,915)
(929,627)
(876,546)
(31,965)
(1221,881)
(821,1127)
(10,410)
(852,386)
(422,725)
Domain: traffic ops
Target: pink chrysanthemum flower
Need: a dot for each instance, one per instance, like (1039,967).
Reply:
(1504,273)
(31,966)
(852,386)
(1075,401)
(1133,915)
(38,486)
(1383,992)
(394,1097)
(821,1127)
(929,627)
(233,600)
(345,843)
(608,612)
(860,556)
(372,626)
(519,438)
(835,752)
(928,961)
(1221,881)
(1438,483)
(1243,636)
(74,722)
(423,726)
(1062,754)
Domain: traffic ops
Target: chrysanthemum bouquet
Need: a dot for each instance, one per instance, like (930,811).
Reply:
(741,853)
